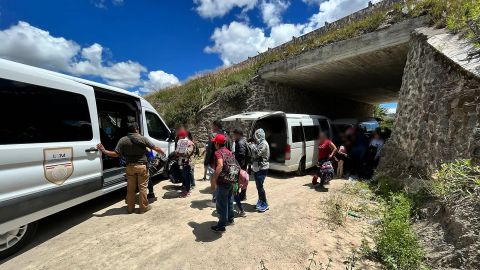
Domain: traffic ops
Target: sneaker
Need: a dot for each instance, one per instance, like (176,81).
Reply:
(231,222)
(264,207)
(192,187)
(218,229)
(259,203)
(185,194)
(242,214)
(149,207)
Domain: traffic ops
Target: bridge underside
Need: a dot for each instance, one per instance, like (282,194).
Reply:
(366,69)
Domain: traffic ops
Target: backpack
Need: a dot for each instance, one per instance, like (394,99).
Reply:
(243,178)
(231,169)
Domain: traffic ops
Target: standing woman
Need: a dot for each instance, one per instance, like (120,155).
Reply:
(184,152)
(261,157)
(326,148)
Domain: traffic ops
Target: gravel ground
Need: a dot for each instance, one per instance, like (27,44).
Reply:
(176,234)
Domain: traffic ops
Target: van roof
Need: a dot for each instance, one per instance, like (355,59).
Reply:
(250,116)
(300,116)
(44,72)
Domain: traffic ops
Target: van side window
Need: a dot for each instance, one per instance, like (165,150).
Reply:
(37,114)
(156,128)
(324,127)
(297,134)
(311,133)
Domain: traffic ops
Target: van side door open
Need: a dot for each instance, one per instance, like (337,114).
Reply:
(48,138)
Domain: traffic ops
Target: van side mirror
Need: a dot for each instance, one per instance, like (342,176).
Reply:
(172,136)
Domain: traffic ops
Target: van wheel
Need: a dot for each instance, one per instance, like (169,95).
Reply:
(301,171)
(13,240)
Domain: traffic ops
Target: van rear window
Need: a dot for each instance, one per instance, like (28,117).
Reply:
(36,114)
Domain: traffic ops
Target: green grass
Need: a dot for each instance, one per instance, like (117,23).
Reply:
(457,181)
(397,244)
(180,104)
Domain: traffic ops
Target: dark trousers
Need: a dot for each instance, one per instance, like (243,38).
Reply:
(238,202)
(259,180)
(224,204)
(187,178)
(150,185)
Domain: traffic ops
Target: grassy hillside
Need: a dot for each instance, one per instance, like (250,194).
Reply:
(180,103)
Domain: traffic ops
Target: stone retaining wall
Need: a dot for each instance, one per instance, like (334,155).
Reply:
(260,95)
(438,113)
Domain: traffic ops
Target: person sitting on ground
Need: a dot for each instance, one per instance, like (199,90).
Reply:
(184,152)
(134,147)
(260,166)
(223,188)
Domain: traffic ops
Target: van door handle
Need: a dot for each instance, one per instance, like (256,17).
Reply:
(92,149)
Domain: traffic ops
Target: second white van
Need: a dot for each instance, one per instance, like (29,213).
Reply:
(293,138)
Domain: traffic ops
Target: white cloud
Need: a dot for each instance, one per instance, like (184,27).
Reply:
(332,10)
(218,8)
(30,45)
(117,2)
(33,46)
(103,4)
(158,80)
(272,11)
(238,40)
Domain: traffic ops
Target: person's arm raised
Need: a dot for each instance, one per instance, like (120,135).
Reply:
(107,152)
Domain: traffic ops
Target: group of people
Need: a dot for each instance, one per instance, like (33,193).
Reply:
(227,159)
(357,154)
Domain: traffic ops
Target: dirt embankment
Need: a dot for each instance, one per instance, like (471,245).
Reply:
(176,233)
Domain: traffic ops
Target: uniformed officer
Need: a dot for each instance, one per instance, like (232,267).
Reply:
(133,148)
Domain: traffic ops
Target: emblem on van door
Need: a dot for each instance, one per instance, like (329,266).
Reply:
(58,164)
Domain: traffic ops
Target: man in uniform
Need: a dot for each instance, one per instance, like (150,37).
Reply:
(133,148)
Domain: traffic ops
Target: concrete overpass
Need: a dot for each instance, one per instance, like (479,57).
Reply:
(366,69)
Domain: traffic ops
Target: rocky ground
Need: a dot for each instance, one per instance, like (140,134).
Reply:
(176,234)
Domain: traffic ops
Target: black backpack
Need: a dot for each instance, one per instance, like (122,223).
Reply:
(230,170)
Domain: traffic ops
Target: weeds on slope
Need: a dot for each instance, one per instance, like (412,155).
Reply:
(457,181)
(179,104)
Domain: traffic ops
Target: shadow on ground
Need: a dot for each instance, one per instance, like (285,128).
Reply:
(202,204)
(53,225)
(171,195)
(172,187)
(203,233)
(316,187)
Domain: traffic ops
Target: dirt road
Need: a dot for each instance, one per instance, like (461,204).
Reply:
(176,233)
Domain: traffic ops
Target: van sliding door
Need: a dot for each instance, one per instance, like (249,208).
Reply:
(48,152)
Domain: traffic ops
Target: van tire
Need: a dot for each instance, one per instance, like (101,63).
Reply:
(302,171)
(26,238)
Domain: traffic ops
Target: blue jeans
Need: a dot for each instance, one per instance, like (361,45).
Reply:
(187,177)
(259,180)
(224,204)
(238,202)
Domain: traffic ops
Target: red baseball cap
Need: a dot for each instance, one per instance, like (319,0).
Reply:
(219,138)
(182,133)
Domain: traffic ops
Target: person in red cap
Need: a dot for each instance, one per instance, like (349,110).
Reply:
(184,152)
(224,163)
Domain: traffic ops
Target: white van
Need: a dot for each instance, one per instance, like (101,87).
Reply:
(51,124)
(293,138)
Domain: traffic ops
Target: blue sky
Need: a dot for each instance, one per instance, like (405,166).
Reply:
(144,45)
